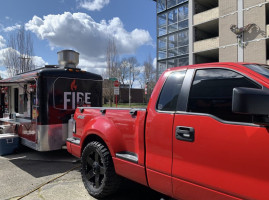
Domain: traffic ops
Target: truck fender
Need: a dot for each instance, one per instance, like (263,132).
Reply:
(107,131)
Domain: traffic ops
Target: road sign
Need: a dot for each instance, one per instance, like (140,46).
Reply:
(116,91)
(116,83)
(113,79)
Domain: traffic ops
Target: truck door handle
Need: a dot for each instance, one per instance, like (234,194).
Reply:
(185,133)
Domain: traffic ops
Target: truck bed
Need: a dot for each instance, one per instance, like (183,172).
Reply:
(122,129)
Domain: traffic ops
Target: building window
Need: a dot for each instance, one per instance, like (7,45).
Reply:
(172,21)
(162,24)
(161,67)
(161,5)
(212,91)
(183,61)
(162,48)
(168,97)
(171,63)
(172,45)
(183,12)
(183,38)
(172,30)
(183,24)
(183,50)
(171,3)
(178,44)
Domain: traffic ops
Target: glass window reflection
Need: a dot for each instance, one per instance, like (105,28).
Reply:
(183,12)
(161,5)
(183,61)
(183,24)
(169,95)
(161,20)
(161,67)
(183,38)
(212,92)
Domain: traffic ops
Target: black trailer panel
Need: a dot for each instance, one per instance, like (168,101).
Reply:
(54,95)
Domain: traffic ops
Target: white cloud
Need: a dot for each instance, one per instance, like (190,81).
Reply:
(97,67)
(2,42)
(154,63)
(80,32)
(1,57)
(3,73)
(93,4)
(39,62)
(12,28)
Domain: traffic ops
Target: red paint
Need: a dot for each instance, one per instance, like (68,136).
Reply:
(135,172)
(225,161)
(160,182)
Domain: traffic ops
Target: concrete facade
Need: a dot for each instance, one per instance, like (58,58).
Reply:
(227,6)
(213,40)
(250,3)
(255,52)
(228,54)
(226,36)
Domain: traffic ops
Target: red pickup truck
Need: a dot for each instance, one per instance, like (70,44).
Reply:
(204,135)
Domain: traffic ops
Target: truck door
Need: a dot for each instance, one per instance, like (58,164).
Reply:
(218,154)
(159,131)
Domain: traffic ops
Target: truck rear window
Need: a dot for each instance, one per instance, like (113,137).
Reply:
(170,91)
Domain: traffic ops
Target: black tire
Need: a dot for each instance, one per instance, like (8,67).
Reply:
(97,170)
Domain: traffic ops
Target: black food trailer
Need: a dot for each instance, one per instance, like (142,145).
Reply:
(37,105)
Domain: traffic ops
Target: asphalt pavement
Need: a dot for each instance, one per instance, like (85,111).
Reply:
(32,175)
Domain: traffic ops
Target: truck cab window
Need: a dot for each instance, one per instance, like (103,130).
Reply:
(170,91)
(212,90)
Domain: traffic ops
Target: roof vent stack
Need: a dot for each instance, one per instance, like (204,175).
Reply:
(68,58)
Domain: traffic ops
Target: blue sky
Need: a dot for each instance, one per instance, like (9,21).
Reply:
(82,25)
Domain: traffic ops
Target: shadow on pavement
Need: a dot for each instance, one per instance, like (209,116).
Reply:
(133,191)
(40,164)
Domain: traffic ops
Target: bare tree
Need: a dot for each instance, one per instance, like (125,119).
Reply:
(133,71)
(123,70)
(18,56)
(111,71)
(149,76)
(112,59)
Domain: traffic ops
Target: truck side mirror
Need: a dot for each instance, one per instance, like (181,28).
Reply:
(253,102)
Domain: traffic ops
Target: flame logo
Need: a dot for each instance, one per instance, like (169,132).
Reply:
(73,85)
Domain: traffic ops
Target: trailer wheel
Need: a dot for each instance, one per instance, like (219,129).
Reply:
(98,174)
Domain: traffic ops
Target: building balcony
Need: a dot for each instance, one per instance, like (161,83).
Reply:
(205,45)
(267,29)
(206,16)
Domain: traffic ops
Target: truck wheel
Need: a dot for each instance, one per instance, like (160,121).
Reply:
(98,174)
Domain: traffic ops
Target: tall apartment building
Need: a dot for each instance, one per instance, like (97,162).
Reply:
(200,31)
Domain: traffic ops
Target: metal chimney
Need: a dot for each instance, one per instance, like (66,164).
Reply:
(68,58)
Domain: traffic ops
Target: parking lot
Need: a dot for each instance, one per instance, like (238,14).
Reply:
(32,175)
